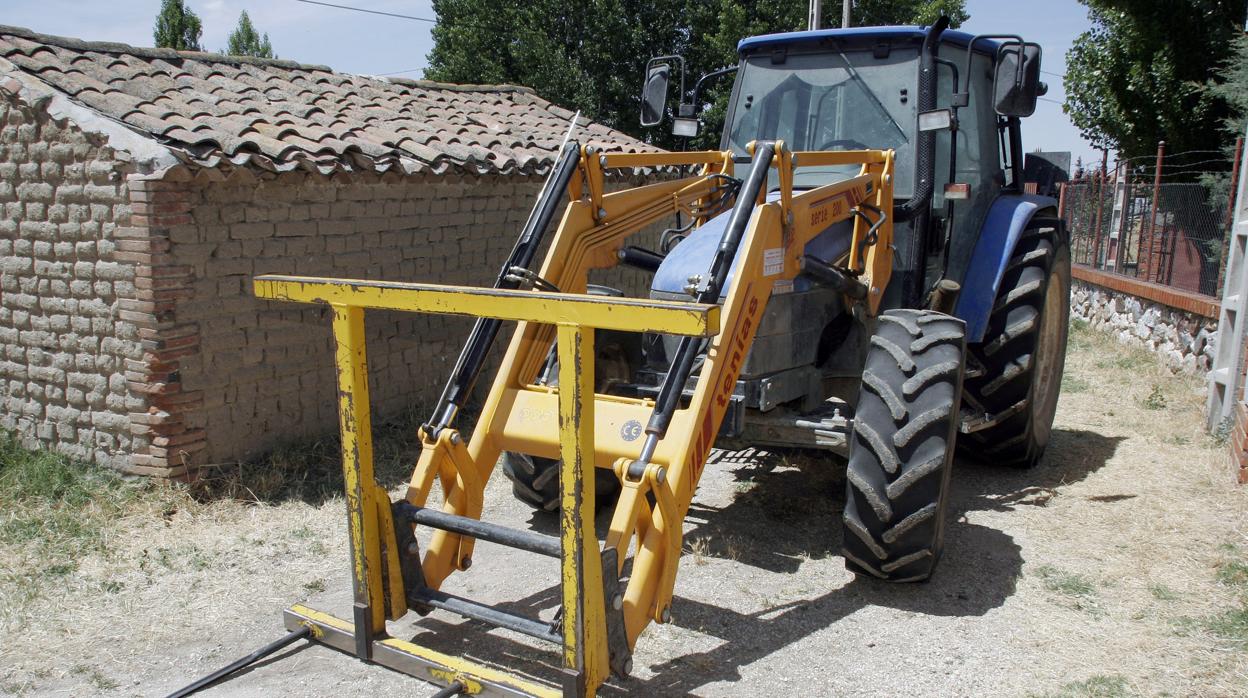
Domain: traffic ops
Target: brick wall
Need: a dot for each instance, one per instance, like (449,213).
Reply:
(129,335)
(65,282)
(259,372)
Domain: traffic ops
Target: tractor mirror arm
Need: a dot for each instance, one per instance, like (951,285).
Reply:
(697,86)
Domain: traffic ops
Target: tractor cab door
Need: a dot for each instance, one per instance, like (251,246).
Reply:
(968,158)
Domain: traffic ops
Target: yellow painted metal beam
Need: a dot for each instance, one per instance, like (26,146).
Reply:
(357,468)
(625,160)
(609,313)
(584,615)
(415,660)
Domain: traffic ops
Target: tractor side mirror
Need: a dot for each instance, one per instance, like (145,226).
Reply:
(1017,84)
(654,94)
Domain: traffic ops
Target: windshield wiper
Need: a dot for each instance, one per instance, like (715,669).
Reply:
(853,73)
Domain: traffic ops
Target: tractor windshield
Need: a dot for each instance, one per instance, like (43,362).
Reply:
(830,100)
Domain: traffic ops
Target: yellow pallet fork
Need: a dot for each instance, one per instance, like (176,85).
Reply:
(656,447)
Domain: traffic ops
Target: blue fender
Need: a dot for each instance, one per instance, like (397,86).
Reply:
(1003,226)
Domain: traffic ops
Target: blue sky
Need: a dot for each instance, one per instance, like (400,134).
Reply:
(357,42)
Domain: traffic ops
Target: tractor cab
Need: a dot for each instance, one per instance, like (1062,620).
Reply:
(947,96)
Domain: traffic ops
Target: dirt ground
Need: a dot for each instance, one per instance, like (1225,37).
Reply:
(1102,572)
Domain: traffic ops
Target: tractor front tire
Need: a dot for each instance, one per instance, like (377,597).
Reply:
(901,450)
(1023,353)
(535,481)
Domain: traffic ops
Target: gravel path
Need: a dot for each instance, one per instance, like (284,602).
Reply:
(1096,571)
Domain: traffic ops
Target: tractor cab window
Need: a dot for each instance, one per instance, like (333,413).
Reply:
(829,100)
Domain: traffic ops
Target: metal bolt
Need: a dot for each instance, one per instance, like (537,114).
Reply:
(455,438)
(628,666)
(661,475)
(666,615)
(413,548)
(602,160)
(617,601)
(465,563)
(602,213)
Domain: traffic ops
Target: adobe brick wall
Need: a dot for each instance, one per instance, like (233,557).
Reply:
(253,373)
(129,335)
(66,335)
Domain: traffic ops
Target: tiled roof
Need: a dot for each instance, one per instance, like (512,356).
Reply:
(209,109)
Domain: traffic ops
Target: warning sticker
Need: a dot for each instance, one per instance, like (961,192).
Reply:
(773,261)
(781,286)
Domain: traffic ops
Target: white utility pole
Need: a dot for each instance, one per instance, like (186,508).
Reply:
(814,19)
(846,6)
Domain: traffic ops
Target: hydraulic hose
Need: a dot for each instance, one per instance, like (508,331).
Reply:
(912,248)
(708,292)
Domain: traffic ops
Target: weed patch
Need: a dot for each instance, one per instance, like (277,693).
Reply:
(1104,686)
(1156,399)
(1065,583)
(1161,592)
(1074,384)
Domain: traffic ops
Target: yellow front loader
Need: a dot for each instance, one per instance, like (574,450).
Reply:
(656,447)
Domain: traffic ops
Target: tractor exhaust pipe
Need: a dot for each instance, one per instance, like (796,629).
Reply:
(925,150)
(912,248)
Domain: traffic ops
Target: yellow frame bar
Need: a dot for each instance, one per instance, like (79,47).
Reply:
(625,314)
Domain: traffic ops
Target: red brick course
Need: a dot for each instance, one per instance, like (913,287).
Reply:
(159,285)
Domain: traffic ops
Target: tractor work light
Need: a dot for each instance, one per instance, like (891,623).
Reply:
(936,120)
(684,127)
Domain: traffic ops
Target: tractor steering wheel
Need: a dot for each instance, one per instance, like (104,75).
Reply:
(844,143)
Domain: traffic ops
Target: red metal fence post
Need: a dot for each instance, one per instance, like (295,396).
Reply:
(1100,204)
(1153,273)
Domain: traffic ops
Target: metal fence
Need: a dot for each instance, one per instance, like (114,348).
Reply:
(1176,240)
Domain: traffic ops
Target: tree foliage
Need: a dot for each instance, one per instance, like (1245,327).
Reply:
(590,54)
(246,41)
(1231,86)
(1139,74)
(177,27)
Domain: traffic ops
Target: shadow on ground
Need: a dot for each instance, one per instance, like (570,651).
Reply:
(787,509)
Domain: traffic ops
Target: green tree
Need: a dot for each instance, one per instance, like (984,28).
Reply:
(1139,74)
(1230,86)
(177,27)
(590,54)
(246,41)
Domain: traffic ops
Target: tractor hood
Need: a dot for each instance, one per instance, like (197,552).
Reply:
(694,254)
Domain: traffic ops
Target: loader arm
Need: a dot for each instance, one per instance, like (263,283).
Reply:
(599,627)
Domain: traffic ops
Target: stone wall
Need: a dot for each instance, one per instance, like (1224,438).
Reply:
(67,286)
(1184,341)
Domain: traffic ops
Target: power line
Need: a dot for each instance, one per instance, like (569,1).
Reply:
(400,72)
(371,12)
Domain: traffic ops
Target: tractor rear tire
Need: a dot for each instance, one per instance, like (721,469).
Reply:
(535,481)
(900,455)
(1023,353)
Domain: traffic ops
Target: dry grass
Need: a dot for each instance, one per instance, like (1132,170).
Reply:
(1129,573)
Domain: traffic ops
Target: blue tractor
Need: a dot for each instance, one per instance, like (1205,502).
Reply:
(968,340)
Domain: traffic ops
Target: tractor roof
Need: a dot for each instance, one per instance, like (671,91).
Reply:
(864,35)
